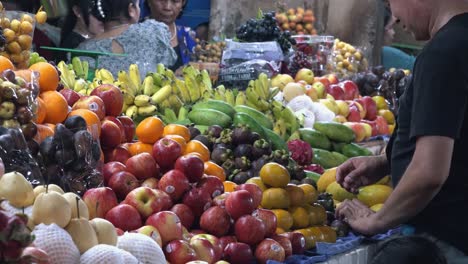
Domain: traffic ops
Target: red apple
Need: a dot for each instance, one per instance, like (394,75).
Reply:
(92,103)
(122,183)
(195,232)
(358,129)
(285,243)
(174,183)
(238,253)
(99,201)
(213,240)
(225,240)
(179,252)
(298,242)
(254,190)
(371,108)
(129,127)
(111,168)
(152,232)
(166,151)
(361,106)
(351,90)
(198,200)
(324,81)
(215,221)
(112,98)
(382,125)
(211,184)
(111,135)
(336,91)
(269,220)
(186,235)
(144,200)
(220,200)
(168,225)
(332,79)
(125,217)
(192,166)
(150,183)
(204,249)
(119,153)
(164,199)
(354,114)
(239,203)
(373,124)
(269,249)
(249,229)
(185,214)
(123,139)
(143,166)
(71,96)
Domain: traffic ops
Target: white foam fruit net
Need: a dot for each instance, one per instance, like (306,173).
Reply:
(106,254)
(145,249)
(57,243)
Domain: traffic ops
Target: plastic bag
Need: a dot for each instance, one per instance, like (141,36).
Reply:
(238,76)
(239,52)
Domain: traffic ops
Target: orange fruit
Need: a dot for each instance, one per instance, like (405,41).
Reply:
(275,175)
(310,194)
(43,132)
(214,169)
(6,64)
(284,218)
(56,107)
(48,76)
(296,195)
(51,126)
(150,130)
(275,198)
(175,129)
(92,121)
(41,111)
(140,147)
(180,140)
(326,179)
(317,215)
(229,186)
(25,74)
(280,230)
(329,234)
(309,237)
(300,217)
(198,147)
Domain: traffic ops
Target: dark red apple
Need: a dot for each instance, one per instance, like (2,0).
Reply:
(269,249)
(120,125)
(215,221)
(185,214)
(336,91)
(382,125)
(195,232)
(168,224)
(93,104)
(166,151)
(354,114)
(220,200)
(111,168)
(238,253)
(164,200)
(254,190)
(249,229)
(211,184)
(225,240)
(125,217)
(285,243)
(298,242)
(99,201)
(129,127)
(150,183)
(112,98)
(122,183)
(269,220)
(119,153)
(351,90)
(239,203)
(111,135)
(179,251)
(71,96)
(175,184)
(192,166)
(143,166)
(371,108)
(198,200)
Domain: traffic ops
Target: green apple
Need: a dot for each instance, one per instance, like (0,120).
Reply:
(281,80)
(343,107)
(306,75)
(331,105)
(320,88)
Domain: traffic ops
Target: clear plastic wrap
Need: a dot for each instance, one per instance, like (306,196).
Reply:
(236,53)
(311,52)
(238,76)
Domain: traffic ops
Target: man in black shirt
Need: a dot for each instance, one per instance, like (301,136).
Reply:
(428,154)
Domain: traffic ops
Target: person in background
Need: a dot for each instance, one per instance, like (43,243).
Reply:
(202,31)
(393,57)
(80,24)
(145,44)
(167,11)
(426,155)
(408,250)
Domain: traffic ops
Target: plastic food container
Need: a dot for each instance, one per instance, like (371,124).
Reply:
(18,30)
(315,50)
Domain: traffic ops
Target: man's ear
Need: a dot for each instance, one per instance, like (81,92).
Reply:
(77,11)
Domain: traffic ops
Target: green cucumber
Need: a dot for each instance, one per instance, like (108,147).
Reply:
(315,138)
(255,114)
(216,105)
(209,117)
(335,131)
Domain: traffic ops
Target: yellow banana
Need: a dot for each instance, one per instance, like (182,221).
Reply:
(230,97)
(175,102)
(265,83)
(207,95)
(182,91)
(80,84)
(165,104)
(148,86)
(148,110)
(128,98)
(240,98)
(123,77)
(134,74)
(161,95)
(67,77)
(132,111)
(142,100)
(125,107)
(106,76)
(259,89)
(193,88)
(219,95)
(160,68)
(273,92)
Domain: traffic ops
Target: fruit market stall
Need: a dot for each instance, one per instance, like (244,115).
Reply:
(179,167)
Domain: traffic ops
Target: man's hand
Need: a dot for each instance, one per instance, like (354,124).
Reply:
(361,171)
(358,216)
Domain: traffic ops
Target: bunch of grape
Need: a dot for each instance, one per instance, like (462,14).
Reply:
(265,29)
(35,58)
(300,60)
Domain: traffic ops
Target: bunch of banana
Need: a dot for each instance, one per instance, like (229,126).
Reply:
(73,76)
(81,68)
(286,121)
(259,94)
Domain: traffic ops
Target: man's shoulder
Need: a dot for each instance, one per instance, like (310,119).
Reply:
(452,39)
